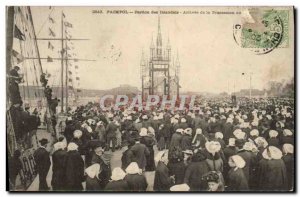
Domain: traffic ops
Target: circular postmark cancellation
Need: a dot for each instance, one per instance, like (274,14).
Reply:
(262,30)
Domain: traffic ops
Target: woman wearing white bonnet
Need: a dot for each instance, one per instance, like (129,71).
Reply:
(287,137)
(273,140)
(180,188)
(117,182)
(236,177)
(92,179)
(273,167)
(58,166)
(135,179)
(288,158)
(74,168)
(214,160)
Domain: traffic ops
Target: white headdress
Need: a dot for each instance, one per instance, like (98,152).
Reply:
(133,168)
(180,187)
(77,134)
(239,161)
(272,152)
(143,132)
(219,135)
(72,146)
(93,170)
(213,147)
(117,174)
(287,132)
(273,133)
(254,132)
(288,148)
(59,145)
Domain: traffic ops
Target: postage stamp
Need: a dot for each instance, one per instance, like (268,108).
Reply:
(263,30)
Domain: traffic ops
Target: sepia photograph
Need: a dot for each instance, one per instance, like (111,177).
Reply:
(150,99)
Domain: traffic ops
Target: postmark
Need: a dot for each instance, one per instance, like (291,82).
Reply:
(262,30)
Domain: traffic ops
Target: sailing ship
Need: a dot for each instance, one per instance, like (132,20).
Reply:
(34,90)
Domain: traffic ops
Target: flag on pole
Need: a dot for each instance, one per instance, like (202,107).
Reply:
(18,56)
(67,24)
(51,33)
(18,34)
(51,19)
(50,46)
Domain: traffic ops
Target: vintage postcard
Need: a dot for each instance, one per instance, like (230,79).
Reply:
(150,99)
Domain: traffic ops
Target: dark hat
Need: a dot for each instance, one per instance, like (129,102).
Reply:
(211,177)
(17,67)
(239,143)
(44,141)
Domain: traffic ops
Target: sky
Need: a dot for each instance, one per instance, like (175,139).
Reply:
(210,59)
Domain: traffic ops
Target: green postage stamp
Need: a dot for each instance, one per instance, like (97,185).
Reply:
(263,29)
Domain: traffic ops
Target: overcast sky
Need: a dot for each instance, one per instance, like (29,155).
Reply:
(210,59)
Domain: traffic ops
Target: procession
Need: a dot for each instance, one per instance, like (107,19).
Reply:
(159,124)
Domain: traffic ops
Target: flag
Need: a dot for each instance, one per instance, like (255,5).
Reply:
(70,80)
(51,19)
(18,56)
(50,46)
(51,33)
(78,90)
(49,59)
(77,78)
(70,73)
(76,67)
(18,34)
(63,14)
(67,24)
(243,73)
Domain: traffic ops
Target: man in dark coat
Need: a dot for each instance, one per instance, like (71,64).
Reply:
(139,152)
(127,156)
(111,134)
(58,167)
(195,170)
(149,142)
(15,166)
(176,139)
(186,142)
(74,168)
(42,160)
(162,179)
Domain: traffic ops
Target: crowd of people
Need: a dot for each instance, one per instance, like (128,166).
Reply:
(215,147)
